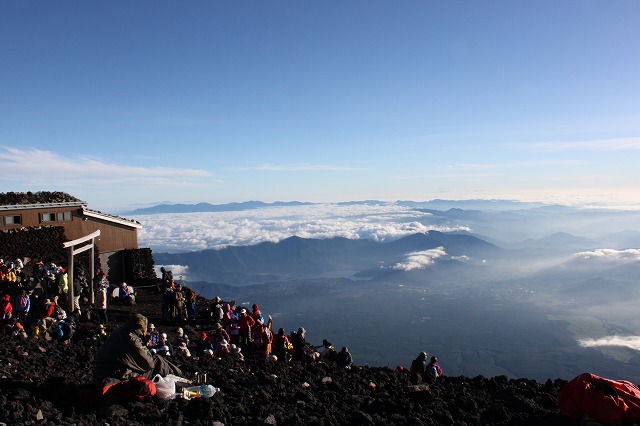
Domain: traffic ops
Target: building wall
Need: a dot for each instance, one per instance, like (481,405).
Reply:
(113,236)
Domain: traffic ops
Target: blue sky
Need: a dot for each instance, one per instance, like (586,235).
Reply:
(128,103)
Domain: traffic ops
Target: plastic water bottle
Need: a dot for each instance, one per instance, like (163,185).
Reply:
(204,391)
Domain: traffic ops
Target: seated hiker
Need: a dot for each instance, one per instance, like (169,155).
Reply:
(181,344)
(65,330)
(344,358)
(222,350)
(126,295)
(418,368)
(327,351)
(124,355)
(433,369)
(220,334)
(163,347)
(152,336)
(53,312)
(204,346)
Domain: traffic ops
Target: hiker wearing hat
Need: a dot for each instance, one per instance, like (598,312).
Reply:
(163,347)
(217,311)
(181,343)
(152,336)
(204,346)
(246,323)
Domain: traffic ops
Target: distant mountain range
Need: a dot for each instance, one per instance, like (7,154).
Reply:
(302,258)
(206,207)
(489,205)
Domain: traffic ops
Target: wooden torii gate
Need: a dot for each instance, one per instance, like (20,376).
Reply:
(72,252)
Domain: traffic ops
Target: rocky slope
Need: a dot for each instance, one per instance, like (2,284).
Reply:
(40,383)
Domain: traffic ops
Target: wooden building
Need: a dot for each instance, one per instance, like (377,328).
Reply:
(111,234)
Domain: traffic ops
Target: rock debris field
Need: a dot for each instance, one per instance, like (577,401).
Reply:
(40,384)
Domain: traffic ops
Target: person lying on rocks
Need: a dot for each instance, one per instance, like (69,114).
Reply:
(124,355)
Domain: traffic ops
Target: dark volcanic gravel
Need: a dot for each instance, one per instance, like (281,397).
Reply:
(40,383)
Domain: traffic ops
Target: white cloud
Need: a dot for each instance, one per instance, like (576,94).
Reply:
(199,231)
(37,166)
(631,342)
(420,259)
(611,254)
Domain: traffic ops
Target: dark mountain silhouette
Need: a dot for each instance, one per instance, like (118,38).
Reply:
(308,258)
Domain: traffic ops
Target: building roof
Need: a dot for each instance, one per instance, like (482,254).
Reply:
(45,199)
(37,198)
(111,218)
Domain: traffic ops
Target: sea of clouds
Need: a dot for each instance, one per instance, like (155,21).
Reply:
(182,232)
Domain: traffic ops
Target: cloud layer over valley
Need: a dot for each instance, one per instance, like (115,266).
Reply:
(200,231)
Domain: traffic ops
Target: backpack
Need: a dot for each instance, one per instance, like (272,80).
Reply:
(134,389)
(23,302)
(604,400)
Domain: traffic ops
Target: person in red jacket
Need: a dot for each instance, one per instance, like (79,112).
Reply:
(6,309)
(246,323)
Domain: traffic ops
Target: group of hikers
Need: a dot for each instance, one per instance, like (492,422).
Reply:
(423,371)
(137,348)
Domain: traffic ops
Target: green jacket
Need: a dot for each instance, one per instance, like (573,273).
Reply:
(123,355)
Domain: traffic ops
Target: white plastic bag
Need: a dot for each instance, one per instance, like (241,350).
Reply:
(166,386)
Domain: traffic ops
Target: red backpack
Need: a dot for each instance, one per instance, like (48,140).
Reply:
(134,389)
(604,400)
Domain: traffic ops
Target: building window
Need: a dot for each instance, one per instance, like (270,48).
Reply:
(13,220)
(47,217)
(64,216)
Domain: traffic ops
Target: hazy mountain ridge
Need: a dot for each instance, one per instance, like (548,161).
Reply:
(206,207)
(313,258)
(508,292)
